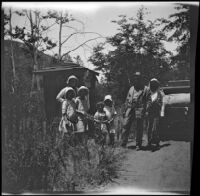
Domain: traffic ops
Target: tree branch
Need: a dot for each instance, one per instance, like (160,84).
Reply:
(78,33)
(80,46)
(70,27)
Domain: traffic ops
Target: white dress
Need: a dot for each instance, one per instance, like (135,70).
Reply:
(81,105)
(110,113)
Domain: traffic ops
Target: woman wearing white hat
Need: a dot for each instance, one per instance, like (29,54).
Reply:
(153,111)
(72,81)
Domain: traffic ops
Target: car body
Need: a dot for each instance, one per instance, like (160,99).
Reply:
(177,121)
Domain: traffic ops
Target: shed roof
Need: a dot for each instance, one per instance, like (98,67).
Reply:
(62,67)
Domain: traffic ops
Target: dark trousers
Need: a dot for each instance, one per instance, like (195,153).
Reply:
(128,120)
(111,139)
(153,130)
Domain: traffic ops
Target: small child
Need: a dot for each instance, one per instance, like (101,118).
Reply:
(153,110)
(110,113)
(100,123)
(69,117)
(82,108)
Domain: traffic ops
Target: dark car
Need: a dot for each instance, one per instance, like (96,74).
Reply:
(177,121)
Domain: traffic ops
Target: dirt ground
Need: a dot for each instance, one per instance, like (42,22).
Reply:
(164,170)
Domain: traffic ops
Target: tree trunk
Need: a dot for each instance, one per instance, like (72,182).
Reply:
(12,53)
(35,55)
(60,37)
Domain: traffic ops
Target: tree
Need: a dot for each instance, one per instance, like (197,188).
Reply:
(138,45)
(64,20)
(178,28)
(8,32)
(78,60)
(34,37)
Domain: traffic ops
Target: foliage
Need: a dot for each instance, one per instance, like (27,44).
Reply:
(78,60)
(178,26)
(33,159)
(138,45)
(94,165)
(34,36)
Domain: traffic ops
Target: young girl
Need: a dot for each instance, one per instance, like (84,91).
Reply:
(153,110)
(110,113)
(69,117)
(100,124)
(72,81)
(82,108)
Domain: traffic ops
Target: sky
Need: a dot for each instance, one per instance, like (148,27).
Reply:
(97,17)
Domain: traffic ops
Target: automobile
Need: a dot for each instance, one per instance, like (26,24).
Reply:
(177,124)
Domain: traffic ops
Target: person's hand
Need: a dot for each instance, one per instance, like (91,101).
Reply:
(110,120)
(96,121)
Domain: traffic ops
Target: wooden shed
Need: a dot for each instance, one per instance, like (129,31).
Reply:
(53,79)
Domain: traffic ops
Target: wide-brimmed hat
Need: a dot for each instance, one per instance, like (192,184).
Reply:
(70,78)
(82,88)
(68,89)
(108,97)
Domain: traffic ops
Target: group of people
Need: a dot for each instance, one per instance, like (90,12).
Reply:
(75,107)
(142,102)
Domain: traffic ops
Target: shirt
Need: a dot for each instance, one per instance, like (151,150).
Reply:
(68,108)
(133,95)
(110,112)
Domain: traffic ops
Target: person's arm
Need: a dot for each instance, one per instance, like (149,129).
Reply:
(60,96)
(148,103)
(64,109)
(162,112)
(96,117)
(128,102)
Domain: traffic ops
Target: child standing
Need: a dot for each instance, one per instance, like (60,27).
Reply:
(82,108)
(72,81)
(110,113)
(100,123)
(69,117)
(153,110)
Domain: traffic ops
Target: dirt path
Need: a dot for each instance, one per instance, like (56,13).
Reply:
(165,170)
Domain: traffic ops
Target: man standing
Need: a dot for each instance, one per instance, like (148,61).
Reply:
(135,110)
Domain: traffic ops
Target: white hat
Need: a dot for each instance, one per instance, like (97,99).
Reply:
(108,97)
(69,89)
(71,77)
(82,88)
(137,73)
(154,79)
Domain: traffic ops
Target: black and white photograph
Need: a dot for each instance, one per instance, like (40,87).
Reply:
(98,97)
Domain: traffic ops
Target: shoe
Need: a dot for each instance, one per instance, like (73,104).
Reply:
(123,145)
(137,148)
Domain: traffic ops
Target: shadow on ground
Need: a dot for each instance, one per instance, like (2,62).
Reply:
(147,148)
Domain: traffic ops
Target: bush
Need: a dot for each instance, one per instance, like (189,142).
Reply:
(80,166)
